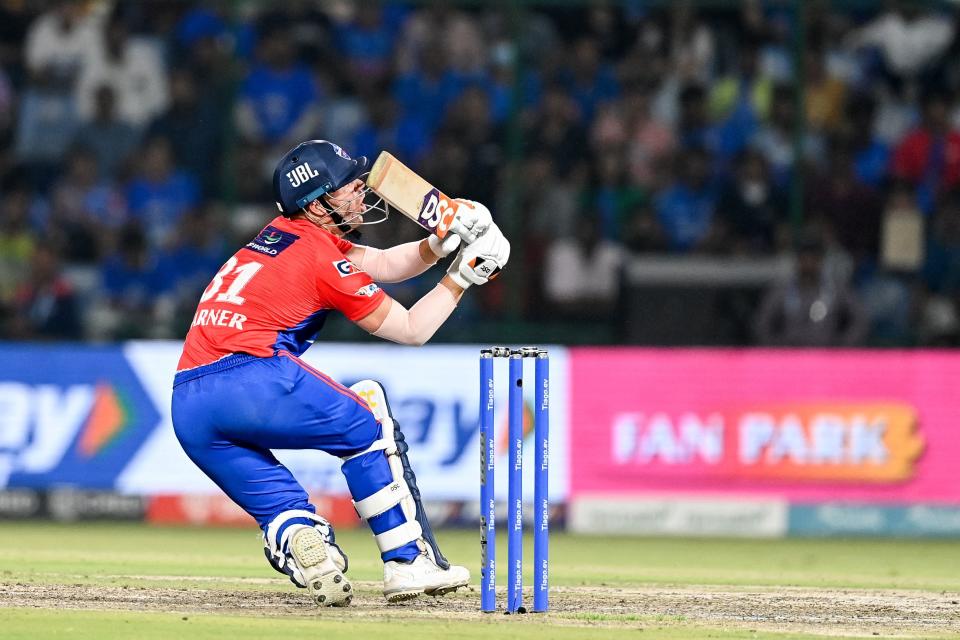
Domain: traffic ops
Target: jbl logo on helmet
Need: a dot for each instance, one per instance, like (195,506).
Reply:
(301,173)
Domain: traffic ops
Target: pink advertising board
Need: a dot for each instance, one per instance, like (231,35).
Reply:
(874,426)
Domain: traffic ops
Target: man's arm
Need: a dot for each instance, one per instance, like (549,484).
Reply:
(476,263)
(414,326)
(398,263)
(406,261)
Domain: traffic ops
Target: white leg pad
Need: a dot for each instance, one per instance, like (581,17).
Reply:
(398,536)
(378,445)
(390,495)
(382,500)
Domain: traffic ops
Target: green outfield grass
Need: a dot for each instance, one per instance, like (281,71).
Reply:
(28,625)
(144,558)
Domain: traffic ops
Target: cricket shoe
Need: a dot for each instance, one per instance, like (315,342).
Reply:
(317,564)
(407,580)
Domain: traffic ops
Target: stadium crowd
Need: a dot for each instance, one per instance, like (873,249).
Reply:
(138,140)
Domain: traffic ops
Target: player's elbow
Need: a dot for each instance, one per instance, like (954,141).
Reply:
(403,339)
(416,326)
(411,339)
(398,329)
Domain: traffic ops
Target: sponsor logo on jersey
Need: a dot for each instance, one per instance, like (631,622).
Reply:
(346,268)
(368,290)
(272,241)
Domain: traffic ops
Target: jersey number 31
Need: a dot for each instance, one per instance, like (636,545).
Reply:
(241,274)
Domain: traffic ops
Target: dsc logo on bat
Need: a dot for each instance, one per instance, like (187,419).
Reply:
(437,212)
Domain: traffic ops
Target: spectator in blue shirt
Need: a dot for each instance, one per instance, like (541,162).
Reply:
(589,80)
(612,196)
(205,47)
(387,128)
(686,209)
(694,128)
(367,42)
(775,139)
(426,93)
(470,122)
(160,194)
(871,156)
(194,131)
(195,252)
(132,283)
(502,80)
(85,209)
(278,98)
(199,23)
(44,306)
(109,138)
(740,101)
(46,124)
(555,130)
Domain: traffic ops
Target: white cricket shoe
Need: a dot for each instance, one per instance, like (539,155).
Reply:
(325,580)
(405,581)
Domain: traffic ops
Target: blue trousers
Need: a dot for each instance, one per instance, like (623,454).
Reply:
(229,415)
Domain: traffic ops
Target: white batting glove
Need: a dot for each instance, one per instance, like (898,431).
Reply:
(482,260)
(472,220)
(454,271)
(443,248)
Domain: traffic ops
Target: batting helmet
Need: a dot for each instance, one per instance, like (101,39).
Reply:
(310,170)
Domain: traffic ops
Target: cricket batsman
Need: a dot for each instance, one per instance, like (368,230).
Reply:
(241,388)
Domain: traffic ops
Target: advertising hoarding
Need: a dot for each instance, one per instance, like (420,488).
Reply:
(99,418)
(805,426)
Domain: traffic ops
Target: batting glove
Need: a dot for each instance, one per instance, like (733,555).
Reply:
(472,220)
(482,260)
(443,248)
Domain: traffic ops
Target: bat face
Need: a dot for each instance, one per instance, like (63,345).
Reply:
(411,195)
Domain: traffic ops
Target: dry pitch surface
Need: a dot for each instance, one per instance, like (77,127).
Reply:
(822,611)
(665,588)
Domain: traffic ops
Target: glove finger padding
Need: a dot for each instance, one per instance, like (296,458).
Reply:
(454,272)
(473,219)
(444,247)
(459,229)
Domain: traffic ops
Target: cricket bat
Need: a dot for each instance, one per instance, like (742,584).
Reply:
(413,196)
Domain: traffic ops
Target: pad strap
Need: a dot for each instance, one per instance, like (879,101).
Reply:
(378,445)
(390,496)
(399,536)
(280,520)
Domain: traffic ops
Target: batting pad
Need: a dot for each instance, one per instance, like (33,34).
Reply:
(403,490)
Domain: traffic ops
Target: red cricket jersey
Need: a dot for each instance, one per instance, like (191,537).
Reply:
(275,293)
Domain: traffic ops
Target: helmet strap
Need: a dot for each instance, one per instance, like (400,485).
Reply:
(338,221)
(337,218)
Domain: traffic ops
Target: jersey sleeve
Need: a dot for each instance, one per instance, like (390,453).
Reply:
(343,245)
(343,286)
